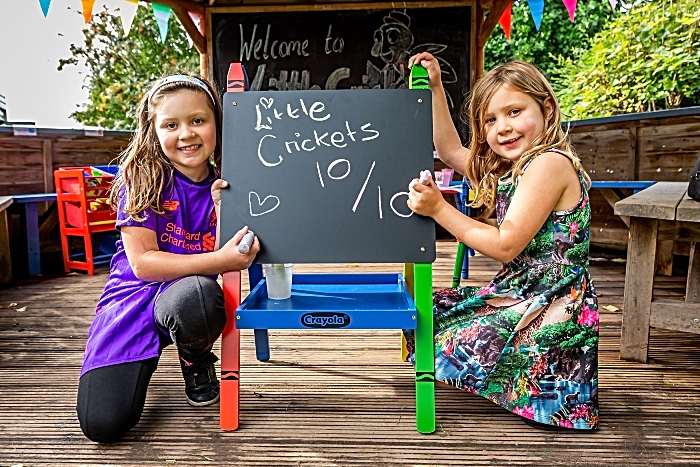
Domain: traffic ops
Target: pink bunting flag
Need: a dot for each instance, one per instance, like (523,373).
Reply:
(613,3)
(45,6)
(162,14)
(196,18)
(506,19)
(571,8)
(536,10)
(87,9)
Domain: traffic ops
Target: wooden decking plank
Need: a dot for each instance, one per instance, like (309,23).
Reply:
(336,398)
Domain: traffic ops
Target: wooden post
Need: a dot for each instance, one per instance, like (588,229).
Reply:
(5,258)
(632,154)
(664,257)
(692,288)
(639,283)
(47,162)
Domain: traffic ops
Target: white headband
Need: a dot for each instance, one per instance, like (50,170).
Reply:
(180,79)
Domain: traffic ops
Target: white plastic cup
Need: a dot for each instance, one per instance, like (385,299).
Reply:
(279,280)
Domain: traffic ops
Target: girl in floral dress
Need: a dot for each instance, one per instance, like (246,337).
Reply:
(528,341)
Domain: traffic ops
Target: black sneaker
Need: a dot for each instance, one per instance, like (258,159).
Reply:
(201,384)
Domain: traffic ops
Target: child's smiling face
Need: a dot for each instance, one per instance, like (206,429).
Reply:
(186,129)
(512,121)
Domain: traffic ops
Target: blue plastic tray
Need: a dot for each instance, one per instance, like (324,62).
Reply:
(332,301)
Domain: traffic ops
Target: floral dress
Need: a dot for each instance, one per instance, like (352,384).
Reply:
(528,341)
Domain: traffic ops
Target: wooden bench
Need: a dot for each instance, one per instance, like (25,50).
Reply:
(662,212)
(30,203)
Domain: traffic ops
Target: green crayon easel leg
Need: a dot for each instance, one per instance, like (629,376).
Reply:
(425,354)
(459,261)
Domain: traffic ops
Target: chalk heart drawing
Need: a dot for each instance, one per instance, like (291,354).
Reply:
(267,103)
(263,205)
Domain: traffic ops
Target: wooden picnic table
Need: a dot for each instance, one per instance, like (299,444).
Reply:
(662,212)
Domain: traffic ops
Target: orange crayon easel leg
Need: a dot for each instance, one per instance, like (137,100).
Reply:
(230,353)
(231,337)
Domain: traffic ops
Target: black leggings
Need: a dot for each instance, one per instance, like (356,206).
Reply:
(111,398)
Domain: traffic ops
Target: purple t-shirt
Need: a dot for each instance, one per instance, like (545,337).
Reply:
(124,329)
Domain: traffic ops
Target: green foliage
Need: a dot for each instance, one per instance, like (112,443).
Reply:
(491,388)
(642,61)
(579,253)
(539,244)
(522,401)
(505,319)
(508,367)
(557,36)
(567,335)
(120,68)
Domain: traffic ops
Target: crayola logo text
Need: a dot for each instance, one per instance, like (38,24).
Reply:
(325,320)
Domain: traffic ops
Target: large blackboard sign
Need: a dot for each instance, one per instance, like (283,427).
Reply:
(322,176)
(343,49)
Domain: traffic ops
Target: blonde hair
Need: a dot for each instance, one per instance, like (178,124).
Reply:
(143,165)
(484,166)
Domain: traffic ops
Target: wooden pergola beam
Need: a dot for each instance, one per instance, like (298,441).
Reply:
(195,34)
(490,22)
(485,26)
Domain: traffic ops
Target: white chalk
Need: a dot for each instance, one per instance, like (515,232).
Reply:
(425,175)
(246,242)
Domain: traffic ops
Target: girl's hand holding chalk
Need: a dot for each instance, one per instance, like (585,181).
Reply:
(425,200)
(246,242)
(425,177)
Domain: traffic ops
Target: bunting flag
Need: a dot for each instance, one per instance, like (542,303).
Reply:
(613,3)
(162,14)
(45,6)
(506,19)
(571,8)
(87,9)
(127,11)
(197,20)
(536,10)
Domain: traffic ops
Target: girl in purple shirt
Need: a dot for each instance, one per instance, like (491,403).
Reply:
(162,285)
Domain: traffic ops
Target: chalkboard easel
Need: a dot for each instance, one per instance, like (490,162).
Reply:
(327,301)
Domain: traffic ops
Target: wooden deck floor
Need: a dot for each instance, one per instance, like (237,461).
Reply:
(335,398)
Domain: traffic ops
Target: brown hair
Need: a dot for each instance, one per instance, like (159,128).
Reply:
(143,165)
(484,166)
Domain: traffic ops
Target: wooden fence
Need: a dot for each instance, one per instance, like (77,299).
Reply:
(27,162)
(660,146)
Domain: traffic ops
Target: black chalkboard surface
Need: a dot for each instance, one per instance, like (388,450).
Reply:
(344,49)
(322,176)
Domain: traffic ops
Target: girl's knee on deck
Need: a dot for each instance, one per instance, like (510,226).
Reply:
(192,311)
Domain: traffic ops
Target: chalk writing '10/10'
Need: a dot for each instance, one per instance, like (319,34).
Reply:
(346,162)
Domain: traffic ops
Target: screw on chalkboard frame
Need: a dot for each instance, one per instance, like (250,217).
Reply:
(234,103)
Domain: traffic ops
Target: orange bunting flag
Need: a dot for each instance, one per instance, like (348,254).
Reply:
(87,9)
(571,8)
(506,19)
(162,14)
